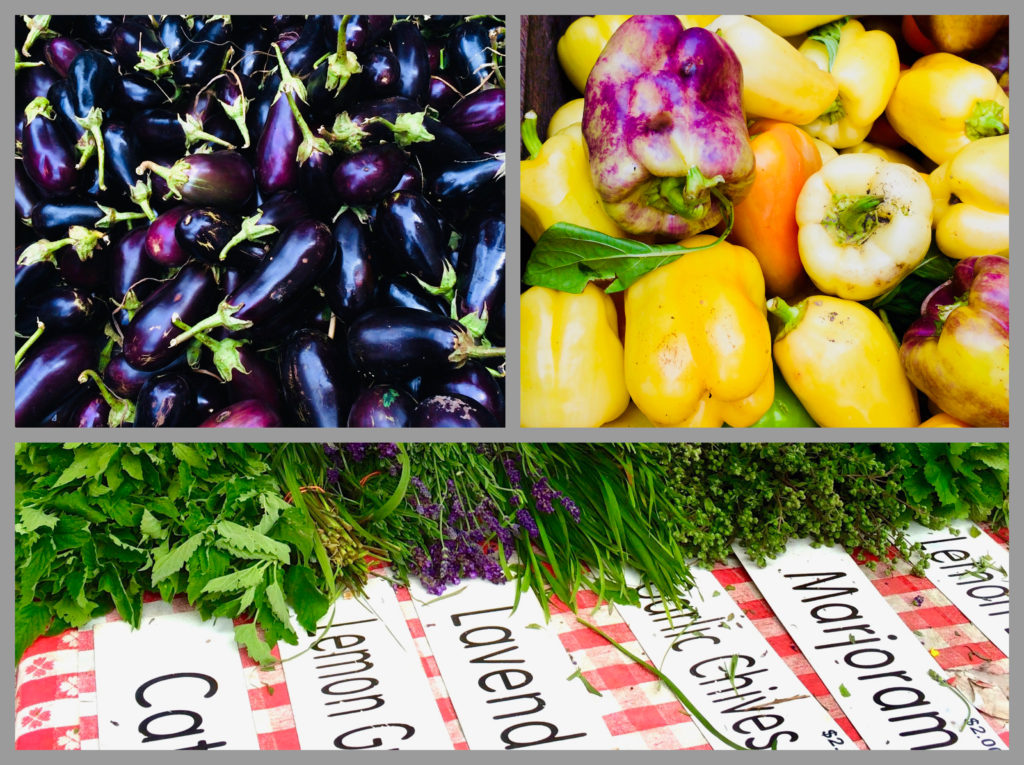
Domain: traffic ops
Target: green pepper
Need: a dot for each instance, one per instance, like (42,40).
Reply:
(786,410)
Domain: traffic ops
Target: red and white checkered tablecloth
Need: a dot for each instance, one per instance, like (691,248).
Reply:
(55,703)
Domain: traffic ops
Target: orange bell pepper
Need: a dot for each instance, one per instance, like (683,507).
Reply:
(785,157)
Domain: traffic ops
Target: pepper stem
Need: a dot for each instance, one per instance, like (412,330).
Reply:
(834,113)
(121,409)
(945,311)
(986,120)
(251,230)
(529,134)
(852,219)
(223,317)
(790,315)
(40,328)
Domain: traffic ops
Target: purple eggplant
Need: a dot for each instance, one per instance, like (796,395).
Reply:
(364,178)
(132,43)
(26,195)
(138,91)
(61,309)
(316,387)
(251,413)
(413,63)
(456,183)
(308,47)
(381,73)
(211,395)
(282,209)
(382,406)
(189,296)
(32,83)
(479,115)
(316,184)
(442,95)
(124,380)
(59,52)
(174,34)
(401,343)
(411,232)
(201,58)
(162,245)
(361,32)
(131,270)
(32,278)
(47,156)
(480,275)
(49,374)
(121,157)
(221,178)
(158,128)
(350,282)
(92,411)
(469,54)
(203,232)
(473,381)
(404,291)
(451,412)
(276,168)
(53,218)
(257,379)
(165,400)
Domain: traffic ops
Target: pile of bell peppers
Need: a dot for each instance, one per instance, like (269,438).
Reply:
(775,221)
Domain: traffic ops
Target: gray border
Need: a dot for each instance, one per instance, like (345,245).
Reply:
(509,433)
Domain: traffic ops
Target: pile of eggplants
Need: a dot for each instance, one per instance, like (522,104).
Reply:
(253,221)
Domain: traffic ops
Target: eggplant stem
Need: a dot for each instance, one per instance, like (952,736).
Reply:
(20,354)
(92,122)
(121,409)
(223,317)
(250,231)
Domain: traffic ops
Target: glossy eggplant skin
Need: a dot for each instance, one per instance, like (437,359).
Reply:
(33,83)
(131,268)
(91,81)
(350,281)
(382,406)
(61,309)
(52,218)
(468,53)
(204,231)
(411,232)
(296,261)
(32,279)
(365,178)
(404,291)
(48,157)
(479,115)
(381,72)
(222,178)
(276,167)
(472,381)
(165,400)
(413,62)
(25,194)
(260,381)
(92,411)
(122,157)
(307,48)
(131,37)
(211,395)
(138,91)
(200,59)
(124,380)
(191,294)
(250,413)
(282,209)
(480,276)
(59,52)
(49,374)
(316,387)
(161,243)
(451,412)
(441,94)
(400,343)
(457,182)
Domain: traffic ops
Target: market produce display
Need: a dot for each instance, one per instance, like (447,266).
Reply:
(753,214)
(252,221)
(249,529)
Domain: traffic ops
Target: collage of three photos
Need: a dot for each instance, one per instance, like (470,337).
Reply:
(299,221)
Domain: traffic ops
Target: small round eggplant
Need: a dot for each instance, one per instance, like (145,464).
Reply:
(191,295)
(165,400)
(49,374)
(400,343)
(313,376)
(365,178)
(92,411)
(162,245)
(211,395)
(411,232)
(442,95)
(381,72)
(251,413)
(350,281)
(382,406)
(451,412)
(219,179)
(61,309)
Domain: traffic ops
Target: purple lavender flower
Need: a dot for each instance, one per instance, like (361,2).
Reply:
(527,522)
(330,451)
(571,506)
(543,496)
(512,471)
(356,451)
(387,451)
(332,475)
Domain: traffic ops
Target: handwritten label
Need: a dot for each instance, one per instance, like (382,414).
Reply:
(510,680)
(973,571)
(358,683)
(175,683)
(888,685)
(729,671)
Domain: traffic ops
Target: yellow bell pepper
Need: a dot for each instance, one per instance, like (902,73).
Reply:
(789,25)
(943,102)
(971,193)
(691,20)
(778,82)
(555,185)
(892,155)
(826,152)
(631,418)
(943,420)
(866,66)
(698,348)
(572,373)
(865,223)
(568,114)
(843,364)
(582,43)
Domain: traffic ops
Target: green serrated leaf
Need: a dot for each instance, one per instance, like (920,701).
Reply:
(188,455)
(236,580)
(243,539)
(166,563)
(301,590)
(31,518)
(31,621)
(275,598)
(247,636)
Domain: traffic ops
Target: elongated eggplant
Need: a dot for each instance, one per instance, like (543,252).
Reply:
(25,194)
(382,406)
(362,30)
(59,52)
(403,291)
(276,168)
(158,128)
(251,413)
(121,157)
(441,94)
(200,59)
(411,231)
(457,182)
(350,281)
(480,276)
(165,400)
(137,91)
(313,376)
(472,381)
(174,34)
(32,83)
(307,48)
(47,156)
(451,412)
(401,343)
(204,231)
(30,279)
(479,115)
(131,268)
(413,63)
(469,58)
(257,379)
(53,218)
(221,178)
(190,295)
(125,381)
(316,184)
(162,245)
(91,80)
(364,178)
(61,309)
(131,40)
(49,374)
